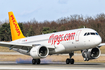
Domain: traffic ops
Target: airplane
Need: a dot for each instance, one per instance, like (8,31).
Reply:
(86,40)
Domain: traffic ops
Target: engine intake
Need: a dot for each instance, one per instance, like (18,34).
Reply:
(95,52)
(39,52)
(43,51)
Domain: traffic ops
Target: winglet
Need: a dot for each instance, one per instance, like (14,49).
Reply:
(15,29)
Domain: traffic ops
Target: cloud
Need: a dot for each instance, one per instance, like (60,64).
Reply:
(27,12)
(63,1)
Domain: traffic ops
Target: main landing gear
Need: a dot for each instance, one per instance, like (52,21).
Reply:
(70,60)
(35,61)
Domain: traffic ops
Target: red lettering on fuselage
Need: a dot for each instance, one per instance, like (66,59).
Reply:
(56,39)
(16,27)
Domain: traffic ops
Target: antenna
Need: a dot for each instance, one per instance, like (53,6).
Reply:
(84,26)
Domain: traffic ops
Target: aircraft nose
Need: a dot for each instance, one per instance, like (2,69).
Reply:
(98,40)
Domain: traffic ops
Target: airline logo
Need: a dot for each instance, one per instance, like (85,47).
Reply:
(16,26)
(53,39)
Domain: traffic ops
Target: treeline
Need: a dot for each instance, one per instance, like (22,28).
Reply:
(72,22)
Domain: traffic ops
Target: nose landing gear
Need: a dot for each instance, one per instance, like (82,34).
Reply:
(70,60)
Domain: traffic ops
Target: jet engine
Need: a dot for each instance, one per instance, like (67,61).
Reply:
(89,54)
(38,52)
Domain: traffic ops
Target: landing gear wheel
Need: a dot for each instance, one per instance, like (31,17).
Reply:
(38,61)
(86,59)
(72,61)
(67,61)
(33,61)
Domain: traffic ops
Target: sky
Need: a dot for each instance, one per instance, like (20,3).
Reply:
(41,10)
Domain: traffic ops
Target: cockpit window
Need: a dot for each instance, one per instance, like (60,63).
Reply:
(85,34)
(96,33)
(90,33)
(93,33)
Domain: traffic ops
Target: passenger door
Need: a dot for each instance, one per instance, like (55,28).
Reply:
(77,35)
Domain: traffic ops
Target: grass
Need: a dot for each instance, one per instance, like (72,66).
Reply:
(102,49)
(77,58)
(5,49)
(13,57)
(55,58)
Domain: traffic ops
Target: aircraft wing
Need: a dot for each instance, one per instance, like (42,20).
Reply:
(11,44)
(102,44)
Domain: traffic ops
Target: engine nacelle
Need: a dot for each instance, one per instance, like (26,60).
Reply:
(39,52)
(93,53)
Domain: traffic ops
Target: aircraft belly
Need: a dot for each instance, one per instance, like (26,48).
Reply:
(73,46)
(68,46)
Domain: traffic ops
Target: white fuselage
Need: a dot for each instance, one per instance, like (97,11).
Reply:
(66,41)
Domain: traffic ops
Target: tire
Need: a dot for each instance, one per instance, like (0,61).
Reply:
(33,61)
(67,61)
(72,61)
(38,61)
(87,59)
